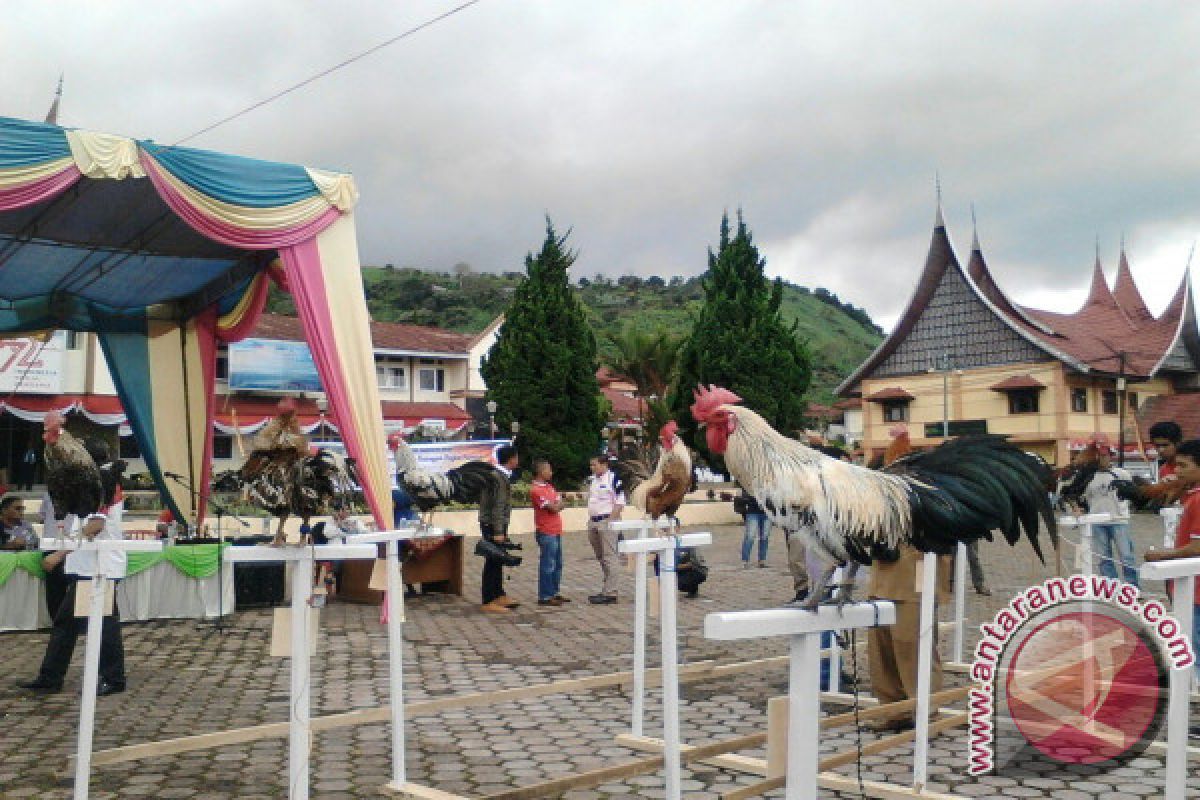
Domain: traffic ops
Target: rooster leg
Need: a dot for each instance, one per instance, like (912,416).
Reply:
(845,589)
(280,539)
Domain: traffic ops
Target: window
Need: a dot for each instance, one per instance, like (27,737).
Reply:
(1132,399)
(895,411)
(1023,401)
(1079,400)
(74,340)
(222,446)
(223,366)
(391,377)
(433,380)
(1109,402)
(128,447)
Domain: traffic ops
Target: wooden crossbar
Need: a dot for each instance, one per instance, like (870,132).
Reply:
(691,673)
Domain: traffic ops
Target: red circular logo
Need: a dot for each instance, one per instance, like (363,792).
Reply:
(1084,687)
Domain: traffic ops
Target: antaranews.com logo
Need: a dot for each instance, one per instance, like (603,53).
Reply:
(1073,671)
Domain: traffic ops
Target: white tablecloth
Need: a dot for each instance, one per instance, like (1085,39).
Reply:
(160,592)
(23,603)
(163,592)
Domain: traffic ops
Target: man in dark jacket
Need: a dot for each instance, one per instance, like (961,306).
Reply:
(495,508)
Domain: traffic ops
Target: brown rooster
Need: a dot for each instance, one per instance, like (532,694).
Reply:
(73,480)
(659,493)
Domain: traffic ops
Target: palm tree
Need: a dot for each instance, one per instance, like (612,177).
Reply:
(649,359)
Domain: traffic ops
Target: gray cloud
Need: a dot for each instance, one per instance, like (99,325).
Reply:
(637,124)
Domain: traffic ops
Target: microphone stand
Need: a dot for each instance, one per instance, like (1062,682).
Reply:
(217,626)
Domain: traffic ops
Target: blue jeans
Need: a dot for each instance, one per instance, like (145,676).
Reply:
(549,565)
(1103,539)
(755,523)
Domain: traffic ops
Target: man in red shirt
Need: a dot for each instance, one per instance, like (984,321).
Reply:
(1166,436)
(547,522)
(1187,535)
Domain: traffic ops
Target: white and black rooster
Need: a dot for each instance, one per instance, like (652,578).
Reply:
(429,489)
(932,500)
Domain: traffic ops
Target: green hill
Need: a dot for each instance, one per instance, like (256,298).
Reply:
(838,335)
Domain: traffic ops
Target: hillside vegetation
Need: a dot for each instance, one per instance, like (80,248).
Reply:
(838,335)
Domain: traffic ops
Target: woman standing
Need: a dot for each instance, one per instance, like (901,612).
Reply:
(756,526)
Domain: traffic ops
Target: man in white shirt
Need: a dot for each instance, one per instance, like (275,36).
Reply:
(81,565)
(1112,539)
(606,500)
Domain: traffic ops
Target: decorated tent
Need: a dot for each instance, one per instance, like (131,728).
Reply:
(166,251)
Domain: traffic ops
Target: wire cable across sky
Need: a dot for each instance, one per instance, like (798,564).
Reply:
(330,70)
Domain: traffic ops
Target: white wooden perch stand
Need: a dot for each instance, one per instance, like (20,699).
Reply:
(641,559)
(395,629)
(301,558)
(804,703)
(91,657)
(1184,571)
(665,546)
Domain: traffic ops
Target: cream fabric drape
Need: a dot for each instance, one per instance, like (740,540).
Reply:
(259,219)
(19,176)
(105,155)
(337,188)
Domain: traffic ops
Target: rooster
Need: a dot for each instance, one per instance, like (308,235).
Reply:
(73,480)
(960,491)
(661,492)
(429,489)
(284,478)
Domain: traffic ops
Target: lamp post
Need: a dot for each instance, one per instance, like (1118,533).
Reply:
(516,428)
(491,409)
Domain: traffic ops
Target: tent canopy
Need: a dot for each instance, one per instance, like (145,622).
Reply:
(164,251)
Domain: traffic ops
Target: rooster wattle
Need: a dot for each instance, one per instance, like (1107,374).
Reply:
(932,500)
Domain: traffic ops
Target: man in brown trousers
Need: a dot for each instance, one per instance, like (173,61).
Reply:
(893,650)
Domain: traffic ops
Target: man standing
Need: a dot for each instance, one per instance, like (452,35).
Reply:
(83,565)
(1166,436)
(495,508)
(1112,539)
(605,503)
(547,522)
(27,468)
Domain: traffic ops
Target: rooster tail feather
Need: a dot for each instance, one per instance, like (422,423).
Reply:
(970,486)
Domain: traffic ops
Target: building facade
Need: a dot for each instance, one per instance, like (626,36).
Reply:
(429,385)
(964,358)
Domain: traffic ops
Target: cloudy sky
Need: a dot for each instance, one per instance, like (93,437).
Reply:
(638,123)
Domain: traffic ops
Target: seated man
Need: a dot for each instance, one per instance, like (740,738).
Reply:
(15,532)
(690,570)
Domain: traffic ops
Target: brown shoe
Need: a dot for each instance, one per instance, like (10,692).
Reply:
(506,601)
(562,599)
(553,601)
(492,608)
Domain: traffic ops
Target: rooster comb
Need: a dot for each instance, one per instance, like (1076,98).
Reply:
(708,400)
(667,432)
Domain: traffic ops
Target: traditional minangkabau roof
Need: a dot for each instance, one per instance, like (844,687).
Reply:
(1090,340)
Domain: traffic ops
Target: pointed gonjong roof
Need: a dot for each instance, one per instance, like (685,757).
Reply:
(1088,340)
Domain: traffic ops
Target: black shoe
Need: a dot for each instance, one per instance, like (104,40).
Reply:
(602,599)
(1194,732)
(105,688)
(801,596)
(39,685)
(694,593)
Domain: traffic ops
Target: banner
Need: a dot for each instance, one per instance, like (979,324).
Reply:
(272,365)
(435,456)
(29,366)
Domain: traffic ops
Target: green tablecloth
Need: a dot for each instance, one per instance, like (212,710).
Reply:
(28,560)
(193,560)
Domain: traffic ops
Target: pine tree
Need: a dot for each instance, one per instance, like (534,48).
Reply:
(740,341)
(542,370)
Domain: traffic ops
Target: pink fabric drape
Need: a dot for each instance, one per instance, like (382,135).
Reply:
(39,190)
(249,320)
(231,234)
(303,265)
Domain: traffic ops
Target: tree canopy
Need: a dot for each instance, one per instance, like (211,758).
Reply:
(740,340)
(542,370)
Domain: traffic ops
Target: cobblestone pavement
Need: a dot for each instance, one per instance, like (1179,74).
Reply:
(182,682)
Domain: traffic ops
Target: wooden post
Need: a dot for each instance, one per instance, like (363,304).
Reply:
(804,629)
(960,600)
(91,649)
(926,645)
(301,560)
(1184,571)
(666,547)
